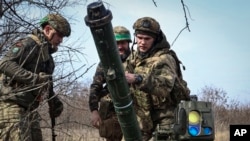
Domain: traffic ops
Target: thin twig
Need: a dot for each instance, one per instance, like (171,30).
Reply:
(154,3)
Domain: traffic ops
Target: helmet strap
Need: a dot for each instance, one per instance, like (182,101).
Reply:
(132,47)
(53,47)
(50,39)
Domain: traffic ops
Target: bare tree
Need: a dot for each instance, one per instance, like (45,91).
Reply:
(20,17)
(226,111)
(17,19)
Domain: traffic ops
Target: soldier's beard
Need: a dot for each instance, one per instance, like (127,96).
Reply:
(53,49)
(125,55)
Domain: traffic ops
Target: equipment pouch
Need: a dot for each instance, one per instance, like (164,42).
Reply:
(110,128)
(104,109)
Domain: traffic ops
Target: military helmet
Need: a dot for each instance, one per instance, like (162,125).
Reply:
(122,33)
(148,25)
(58,22)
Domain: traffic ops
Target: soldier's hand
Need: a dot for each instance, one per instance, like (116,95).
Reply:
(43,77)
(95,119)
(55,107)
(130,77)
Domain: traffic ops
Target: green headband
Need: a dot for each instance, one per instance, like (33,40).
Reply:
(44,20)
(119,37)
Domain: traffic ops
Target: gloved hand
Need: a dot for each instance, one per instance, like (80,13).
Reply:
(55,107)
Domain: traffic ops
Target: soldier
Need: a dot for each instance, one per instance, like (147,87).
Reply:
(103,117)
(151,73)
(26,80)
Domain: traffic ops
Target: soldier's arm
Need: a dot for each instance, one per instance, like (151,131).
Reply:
(96,88)
(11,63)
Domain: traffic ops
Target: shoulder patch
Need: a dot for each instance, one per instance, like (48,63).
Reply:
(15,50)
(17,47)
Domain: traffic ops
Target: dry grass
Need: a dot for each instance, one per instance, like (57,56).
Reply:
(74,123)
(93,135)
(75,135)
(222,136)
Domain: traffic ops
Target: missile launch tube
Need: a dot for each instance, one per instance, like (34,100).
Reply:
(99,21)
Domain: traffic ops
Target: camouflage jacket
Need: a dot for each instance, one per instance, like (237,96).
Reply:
(20,67)
(158,70)
(98,88)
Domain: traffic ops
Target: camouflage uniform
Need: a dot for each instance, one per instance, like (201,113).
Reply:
(26,80)
(157,68)
(99,94)
(110,128)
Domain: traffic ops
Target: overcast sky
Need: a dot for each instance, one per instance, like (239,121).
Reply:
(215,52)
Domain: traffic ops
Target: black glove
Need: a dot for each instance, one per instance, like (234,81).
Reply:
(55,107)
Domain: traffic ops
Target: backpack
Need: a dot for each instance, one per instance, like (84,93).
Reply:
(180,90)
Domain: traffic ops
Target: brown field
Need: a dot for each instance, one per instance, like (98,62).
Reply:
(74,123)
(92,135)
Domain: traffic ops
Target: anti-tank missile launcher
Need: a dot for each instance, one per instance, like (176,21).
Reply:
(99,20)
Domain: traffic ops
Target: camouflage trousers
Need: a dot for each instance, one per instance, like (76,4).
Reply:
(18,124)
(151,114)
(163,123)
(143,108)
(145,123)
